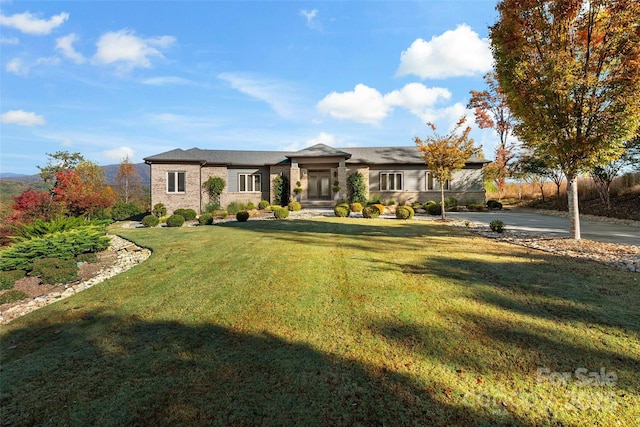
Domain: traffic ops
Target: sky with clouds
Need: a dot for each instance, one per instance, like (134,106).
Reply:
(131,79)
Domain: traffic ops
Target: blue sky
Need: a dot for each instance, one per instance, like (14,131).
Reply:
(111,79)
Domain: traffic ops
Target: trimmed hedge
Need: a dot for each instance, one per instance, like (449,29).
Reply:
(295,206)
(356,207)
(494,204)
(150,221)
(280,213)
(404,212)
(370,212)
(342,210)
(380,207)
(433,208)
(242,216)
(187,214)
(205,219)
(175,221)
(263,204)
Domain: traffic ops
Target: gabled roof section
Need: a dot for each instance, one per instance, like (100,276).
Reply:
(320,150)
(177,155)
(392,155)
(240,157)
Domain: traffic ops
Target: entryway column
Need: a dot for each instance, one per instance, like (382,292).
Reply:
(294,176)
(342,179)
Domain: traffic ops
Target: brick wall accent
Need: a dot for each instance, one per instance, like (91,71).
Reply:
(190,199)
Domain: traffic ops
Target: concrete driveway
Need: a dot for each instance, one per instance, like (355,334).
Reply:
(532,222)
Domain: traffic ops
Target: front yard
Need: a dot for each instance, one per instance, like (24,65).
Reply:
(332,322)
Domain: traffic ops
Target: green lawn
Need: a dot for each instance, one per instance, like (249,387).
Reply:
(331,322)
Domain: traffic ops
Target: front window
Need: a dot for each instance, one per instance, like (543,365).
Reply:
(176,182)
(434,184)
(249,183)
(391,181)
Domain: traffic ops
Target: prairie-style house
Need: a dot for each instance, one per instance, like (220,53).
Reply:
(397,173)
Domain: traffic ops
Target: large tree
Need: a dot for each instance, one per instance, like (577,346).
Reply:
(570,70)
(492,112)
(446,154)
(127,180)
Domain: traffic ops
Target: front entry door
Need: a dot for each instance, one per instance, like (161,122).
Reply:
(319,185)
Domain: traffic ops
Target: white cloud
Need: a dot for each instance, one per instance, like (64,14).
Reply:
(9,40)
(278,94)
(30,24)
(167,81)
(416,98)
(18,67)
(119,154)
(455,53)
(363,104)
(22,118)
(65,46)
(310,16)
(322,138)
(129,51)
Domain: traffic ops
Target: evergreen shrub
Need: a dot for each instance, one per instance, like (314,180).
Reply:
(175,221)
(242,216)
(150,221)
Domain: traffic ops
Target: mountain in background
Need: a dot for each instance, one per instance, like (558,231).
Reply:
(110,172)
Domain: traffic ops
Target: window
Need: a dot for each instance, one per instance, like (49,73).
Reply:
(433,184)
(176,182)
(249,182)
(390,181)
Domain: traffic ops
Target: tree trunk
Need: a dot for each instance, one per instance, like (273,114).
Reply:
(442,200)
(574,212)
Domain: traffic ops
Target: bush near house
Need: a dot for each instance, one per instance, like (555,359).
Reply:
(175,221)
(150,221)
(280,212)
(205,219)
(404,212)
(494,204)
(342,210)
(263,204)
(295,206)
(370,212)
(497,226)
(242,216)
(476,207)
(380,207)
(187,214)
(159,210)
(433,208)
(356,207)
(55,270)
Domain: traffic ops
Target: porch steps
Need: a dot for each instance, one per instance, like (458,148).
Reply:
(317,204)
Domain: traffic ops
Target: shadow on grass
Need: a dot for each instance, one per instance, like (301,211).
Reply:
(125,371)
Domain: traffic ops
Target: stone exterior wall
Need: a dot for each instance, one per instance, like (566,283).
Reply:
(190,199)
(364,171)
(273,173)
(208,172)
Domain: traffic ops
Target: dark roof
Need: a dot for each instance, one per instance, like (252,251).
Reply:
(354,155)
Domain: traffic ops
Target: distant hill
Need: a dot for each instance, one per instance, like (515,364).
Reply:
(109,170)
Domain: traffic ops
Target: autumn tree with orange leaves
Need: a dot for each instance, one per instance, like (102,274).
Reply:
(446,154)
(570,71)
(492,112)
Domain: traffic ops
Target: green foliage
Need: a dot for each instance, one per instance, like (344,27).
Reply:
(205,219)
(281,190)
(150,221)
(121,211)
(214,186)
(404,212)
(391,202)
(39,228)
(242,216)
(295,206)
(263,204)
(280,213)
(494,205)
(416,205)
(212,207)
(497,226)
(87,257)
(375,200)
(476,207)
(187,214)
(341,211)
(356,207)
(380,207)
(55,270)
(357,188)
(12,296)
(370,212)
(251,205)
(159,210)
(66,245)
(59,161)
(235,207)
(450,202)
(175,221)
(433,208)
(9,278)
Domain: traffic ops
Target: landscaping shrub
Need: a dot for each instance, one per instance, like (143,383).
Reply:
(263,204)
(450,202)
(380,208)
(214,187)
(375,200)
(280,212)
(497,226)
(121,211)
(370,212)
(281,190)
(404,212)
(235,207)
(66,245)
(40,228)
(159,210)
(242,216)
(211,207)
(416,205)
(433,208)
(356,207)
(205,219)
(150,221)
(251,205)
(475,207)
(341,211)
(12,296)
(9,278)
(87,257)
(55,270)
(187,214)
(357,188)
(175,221)
(295,206)
(494,204)
(391,202)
